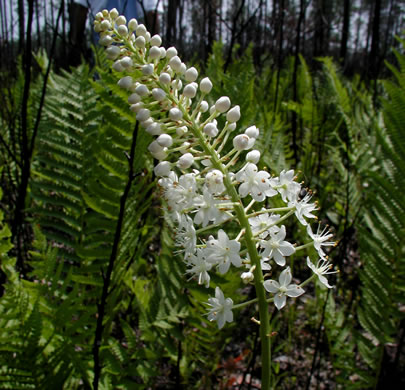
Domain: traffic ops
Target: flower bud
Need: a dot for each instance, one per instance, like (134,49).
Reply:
(204,106)
(190,91)
(158,94)
(161,155)
(210,129)
(105,25)
(183,68)
(126,62)
(175,63)
(140,42)
(241,142)
(247,277)
(121,20)
(154,129)
(233,115)
(185,161)
(154,52)
(133,24)
(141,31)
(114,13)
(165,78)
(97,27)
(143,114)
(142,90)
(175,114)
(112,52)
(180,131)
(162,169)
(223,104)
(105,13)
(147,123)
(99,16)
(165,140)
(136,107)
(106,40)
(177,84)
(122,30)
(154,147)
(252,132)
(147,69)
(184,147)
(191,74)
(253,156)
(147,36)
(162,52)
(171,52)
(205,85)
(156,40)
(134,98)
(125,82)
(232,126)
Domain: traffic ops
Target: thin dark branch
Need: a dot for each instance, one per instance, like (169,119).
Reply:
(10,152)
(113,257)
(318,337)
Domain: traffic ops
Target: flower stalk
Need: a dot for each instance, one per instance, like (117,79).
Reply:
(206,192)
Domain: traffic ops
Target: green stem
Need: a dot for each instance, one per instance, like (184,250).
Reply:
(251,247)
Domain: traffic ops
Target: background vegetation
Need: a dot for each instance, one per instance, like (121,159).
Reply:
(92,294)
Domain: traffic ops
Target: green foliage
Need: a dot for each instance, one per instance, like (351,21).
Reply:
(382,230)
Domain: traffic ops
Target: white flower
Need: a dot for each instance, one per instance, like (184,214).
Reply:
(254,183)
(223,252)
(199,267)
(286,186)
(221,308)
(207,209)
(276,247)
(303,209)
(214,181)
(262,221)
(180,194)
(283,288)
(320,239)
(322,268)
(186,237)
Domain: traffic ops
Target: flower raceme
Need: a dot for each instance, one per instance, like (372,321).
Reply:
(216,202)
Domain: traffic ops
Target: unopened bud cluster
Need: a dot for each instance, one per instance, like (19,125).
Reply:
(208,171)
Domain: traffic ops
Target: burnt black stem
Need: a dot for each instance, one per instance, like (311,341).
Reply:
(113,257)
(318,342)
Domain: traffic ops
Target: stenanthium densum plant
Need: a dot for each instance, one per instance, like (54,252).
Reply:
(210,193)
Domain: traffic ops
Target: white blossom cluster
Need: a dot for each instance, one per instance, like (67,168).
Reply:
(208,188)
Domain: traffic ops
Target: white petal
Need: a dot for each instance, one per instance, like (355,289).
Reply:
(279,301)
(286,248)
(310,264)
(324,281)
(271,286)
(279,258)
(244,189)
(220,320)
(294,291)
(281,234)
(219,295)
(285,277)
